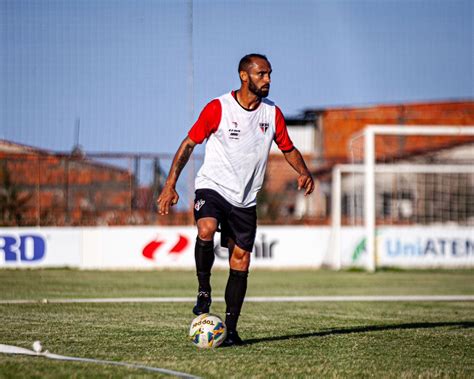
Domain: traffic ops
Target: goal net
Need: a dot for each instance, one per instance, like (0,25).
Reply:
(406,199)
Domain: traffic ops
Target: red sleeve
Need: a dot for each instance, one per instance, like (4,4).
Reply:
(282,138)
(207,123)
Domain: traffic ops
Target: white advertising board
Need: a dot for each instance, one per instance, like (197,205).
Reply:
(173,247)
(138,247)
(40,247)
(285,247)
(425,247)
(155,247)
(352,246)
(410,247)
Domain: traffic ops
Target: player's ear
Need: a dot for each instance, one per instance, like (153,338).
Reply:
(244,76)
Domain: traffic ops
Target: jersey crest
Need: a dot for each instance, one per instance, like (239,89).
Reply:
(198,205)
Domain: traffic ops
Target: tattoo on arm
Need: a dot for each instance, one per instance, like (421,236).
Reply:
(182,159)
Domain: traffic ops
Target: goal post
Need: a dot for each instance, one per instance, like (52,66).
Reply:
(365,171)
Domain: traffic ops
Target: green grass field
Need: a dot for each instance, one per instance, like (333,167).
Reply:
(313,339)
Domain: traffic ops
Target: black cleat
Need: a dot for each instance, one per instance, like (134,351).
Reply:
(232,339)
(203,303)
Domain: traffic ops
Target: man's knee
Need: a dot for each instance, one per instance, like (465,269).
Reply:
(206,229)
(239,259)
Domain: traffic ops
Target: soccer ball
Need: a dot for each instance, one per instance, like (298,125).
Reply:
(207,331)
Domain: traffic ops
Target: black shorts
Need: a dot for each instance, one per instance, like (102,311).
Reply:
(237,223)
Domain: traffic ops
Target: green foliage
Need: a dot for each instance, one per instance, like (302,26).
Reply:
(268,205)
(12,201)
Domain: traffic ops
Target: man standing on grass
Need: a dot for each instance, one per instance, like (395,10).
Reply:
(239,127)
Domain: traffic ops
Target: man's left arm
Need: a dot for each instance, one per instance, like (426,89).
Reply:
(305,179)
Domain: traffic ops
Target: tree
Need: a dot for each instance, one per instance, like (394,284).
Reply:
(12,202)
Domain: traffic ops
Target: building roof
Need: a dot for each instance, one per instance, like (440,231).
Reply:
(10,148)
(17,148)
(310,115)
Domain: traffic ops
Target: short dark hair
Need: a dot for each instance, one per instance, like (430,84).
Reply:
(247,60)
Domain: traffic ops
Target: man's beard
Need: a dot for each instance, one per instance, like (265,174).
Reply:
(260,92)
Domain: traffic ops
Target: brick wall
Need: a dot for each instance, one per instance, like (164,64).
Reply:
(51,189)
(339,125)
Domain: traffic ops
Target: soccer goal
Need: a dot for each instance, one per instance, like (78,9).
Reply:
(406,199)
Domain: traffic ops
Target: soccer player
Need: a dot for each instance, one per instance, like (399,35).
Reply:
(239,128)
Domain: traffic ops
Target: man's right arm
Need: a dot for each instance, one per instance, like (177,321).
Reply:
(207,123)
(169,196)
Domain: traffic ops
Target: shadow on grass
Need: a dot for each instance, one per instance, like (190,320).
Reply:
(363,329)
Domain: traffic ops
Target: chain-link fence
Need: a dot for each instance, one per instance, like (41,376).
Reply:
(121,189)
(418,180)
(99,189)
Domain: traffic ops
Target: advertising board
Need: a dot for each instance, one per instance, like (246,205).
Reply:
(278,247)
(40,247)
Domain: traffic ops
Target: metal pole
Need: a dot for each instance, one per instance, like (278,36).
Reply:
(38,193)
(369,197)
(66,195)
(336,217)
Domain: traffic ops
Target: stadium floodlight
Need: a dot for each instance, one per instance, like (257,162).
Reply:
(420,182)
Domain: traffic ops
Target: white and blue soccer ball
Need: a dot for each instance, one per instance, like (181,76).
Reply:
(207,331)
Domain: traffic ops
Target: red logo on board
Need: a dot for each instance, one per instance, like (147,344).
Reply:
(155,247)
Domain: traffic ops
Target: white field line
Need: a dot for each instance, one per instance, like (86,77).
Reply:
(9,349)
(251,299)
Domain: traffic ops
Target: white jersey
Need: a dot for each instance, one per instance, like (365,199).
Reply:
(238,146)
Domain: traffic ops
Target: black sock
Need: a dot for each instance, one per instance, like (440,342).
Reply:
(204,256)
(234,297)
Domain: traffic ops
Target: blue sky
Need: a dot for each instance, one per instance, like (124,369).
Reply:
(137,73)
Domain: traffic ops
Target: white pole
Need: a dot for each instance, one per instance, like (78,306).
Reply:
(369,197)
(336,217)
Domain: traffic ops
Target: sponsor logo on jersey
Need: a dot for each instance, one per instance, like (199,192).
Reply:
(198,204)
(234,133)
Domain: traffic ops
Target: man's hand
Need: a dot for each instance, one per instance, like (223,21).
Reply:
(306,181)
(167,198)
